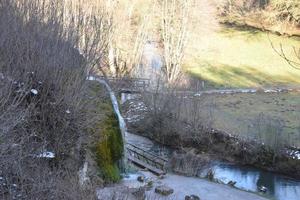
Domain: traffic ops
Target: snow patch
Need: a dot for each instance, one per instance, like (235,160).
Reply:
(46,154)
(83,178)
(34,91)
(295,154)
(91,78)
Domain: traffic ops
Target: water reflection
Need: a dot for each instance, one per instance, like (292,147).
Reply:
(251,179)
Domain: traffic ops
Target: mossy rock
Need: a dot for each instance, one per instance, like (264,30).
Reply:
(109,150)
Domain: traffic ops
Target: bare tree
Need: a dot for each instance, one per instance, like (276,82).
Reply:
(174,24)
(127,37)
(46,50)
(295,63)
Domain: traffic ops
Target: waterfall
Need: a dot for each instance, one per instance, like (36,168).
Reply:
(122,124)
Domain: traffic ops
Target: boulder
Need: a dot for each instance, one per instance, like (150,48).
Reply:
(164,190)
(192,197)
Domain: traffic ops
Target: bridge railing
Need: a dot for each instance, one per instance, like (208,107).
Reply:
(125,83)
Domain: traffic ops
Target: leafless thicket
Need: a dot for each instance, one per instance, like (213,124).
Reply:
(188,163)
(293,62)
(174,29)
(127,37)
(46,50)
(178,115)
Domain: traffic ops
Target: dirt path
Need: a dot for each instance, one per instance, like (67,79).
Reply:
(204,189)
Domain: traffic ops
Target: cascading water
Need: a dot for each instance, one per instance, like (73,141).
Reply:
(122,124)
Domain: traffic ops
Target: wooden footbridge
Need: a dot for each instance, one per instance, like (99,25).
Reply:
(126,84)
(145,159)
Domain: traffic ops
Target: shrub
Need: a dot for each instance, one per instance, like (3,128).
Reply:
(44,59)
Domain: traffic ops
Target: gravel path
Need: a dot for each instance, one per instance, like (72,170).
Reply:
(204,189)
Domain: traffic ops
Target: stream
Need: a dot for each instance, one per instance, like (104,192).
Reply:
(247,178)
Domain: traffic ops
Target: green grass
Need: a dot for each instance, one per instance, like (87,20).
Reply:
(234,57)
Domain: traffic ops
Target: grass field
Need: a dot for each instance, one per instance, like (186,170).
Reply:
(233,57)
(266,117)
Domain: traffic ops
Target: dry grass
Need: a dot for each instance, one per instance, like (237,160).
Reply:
(238,114)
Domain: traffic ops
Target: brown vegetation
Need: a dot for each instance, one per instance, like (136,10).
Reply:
(46,50)
(279,16)
(178,121)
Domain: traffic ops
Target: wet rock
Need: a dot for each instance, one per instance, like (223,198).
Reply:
(164,190)
(161,177)
(141,179)
(149,185)
(262,189)
(231,183)
(210,175)
(192,197)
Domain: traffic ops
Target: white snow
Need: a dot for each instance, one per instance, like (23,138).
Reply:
(270,91)
(91,78)
(295,154)
(83,178)
(34,91)
(46,154)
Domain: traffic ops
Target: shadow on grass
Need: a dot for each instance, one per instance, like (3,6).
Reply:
(225,76)
(248,33)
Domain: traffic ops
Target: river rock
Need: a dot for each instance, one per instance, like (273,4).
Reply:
(192,197)
(164,190)
(161,177)
(263,189)
(141,179)
(231,183)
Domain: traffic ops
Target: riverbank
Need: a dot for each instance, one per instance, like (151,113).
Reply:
(177,134)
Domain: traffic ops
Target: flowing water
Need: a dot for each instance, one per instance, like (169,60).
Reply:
(251,179)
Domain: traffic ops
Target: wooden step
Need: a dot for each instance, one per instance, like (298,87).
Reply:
(145,165)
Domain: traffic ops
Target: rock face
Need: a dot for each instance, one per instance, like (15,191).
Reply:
(192,197)
(164,190)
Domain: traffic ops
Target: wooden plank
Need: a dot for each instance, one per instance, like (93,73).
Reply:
(132,146)
(148,157)
(145,165)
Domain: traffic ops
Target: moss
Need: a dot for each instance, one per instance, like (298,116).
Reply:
(109,149)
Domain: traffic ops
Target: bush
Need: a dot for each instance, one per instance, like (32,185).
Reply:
(44,59)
